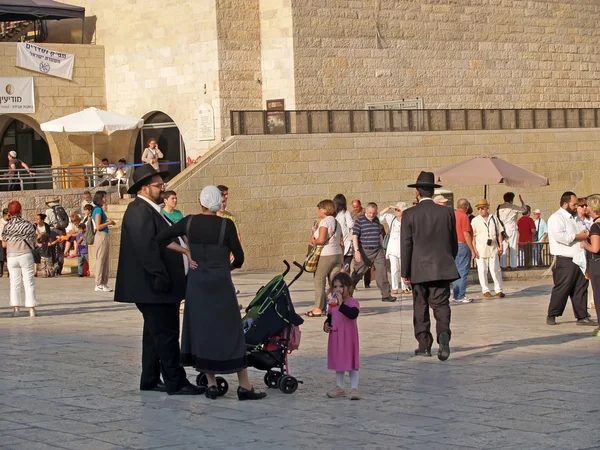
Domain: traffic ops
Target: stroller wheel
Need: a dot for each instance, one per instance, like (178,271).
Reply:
(272,379)
(201,380)
(222,386)
(288,384)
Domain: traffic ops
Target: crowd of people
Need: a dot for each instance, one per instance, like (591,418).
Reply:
(166,258)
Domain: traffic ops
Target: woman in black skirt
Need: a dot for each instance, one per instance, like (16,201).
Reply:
(212,340)
(592,246)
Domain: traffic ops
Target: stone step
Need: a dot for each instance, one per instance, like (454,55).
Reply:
(116,208)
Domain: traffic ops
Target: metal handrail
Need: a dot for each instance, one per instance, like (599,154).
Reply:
(260,122)
(532,255)
(46,177)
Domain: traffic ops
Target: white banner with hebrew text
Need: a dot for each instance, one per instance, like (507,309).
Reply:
(50,62)
(16,95)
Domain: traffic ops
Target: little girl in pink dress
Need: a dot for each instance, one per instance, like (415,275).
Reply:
(341,324)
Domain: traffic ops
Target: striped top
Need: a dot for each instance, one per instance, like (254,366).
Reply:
(368,231)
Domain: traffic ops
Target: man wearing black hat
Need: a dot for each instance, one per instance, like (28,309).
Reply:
(154,278)
(429,247)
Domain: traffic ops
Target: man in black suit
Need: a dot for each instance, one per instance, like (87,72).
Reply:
(429,246)
(154,278)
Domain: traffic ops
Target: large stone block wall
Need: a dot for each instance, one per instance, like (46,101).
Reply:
(239,33)
(56,97)
(277,46)
(453,54)
(276,181)
(160,56)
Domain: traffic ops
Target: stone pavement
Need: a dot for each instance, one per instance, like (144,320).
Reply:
(69,379)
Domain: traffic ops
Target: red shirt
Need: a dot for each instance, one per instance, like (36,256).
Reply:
(462,224)
(525,224)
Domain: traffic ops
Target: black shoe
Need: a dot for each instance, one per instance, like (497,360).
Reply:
(444,350)
(551,320)
(587,322)
(159,387)
(189,389)
(245,394)
(426,353)
(212,392)
(388,299)
(367,286)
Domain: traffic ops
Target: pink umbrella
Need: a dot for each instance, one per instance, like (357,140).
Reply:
(484,170)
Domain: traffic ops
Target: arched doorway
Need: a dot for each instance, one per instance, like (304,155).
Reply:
(30,146)
(161,127)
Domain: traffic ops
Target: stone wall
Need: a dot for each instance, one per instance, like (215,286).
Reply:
(276,181)
(453,54)
(277,47)
(56,97)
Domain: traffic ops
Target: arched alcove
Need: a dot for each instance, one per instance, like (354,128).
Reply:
(30,145)
(161,127)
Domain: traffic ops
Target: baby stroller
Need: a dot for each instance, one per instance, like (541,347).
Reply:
(268,324)
(268,327)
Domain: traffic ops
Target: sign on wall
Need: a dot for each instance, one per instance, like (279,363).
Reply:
(43,60)
(16,95)
(206,123)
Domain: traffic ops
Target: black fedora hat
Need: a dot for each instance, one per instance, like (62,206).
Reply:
(425,180)
(142,175)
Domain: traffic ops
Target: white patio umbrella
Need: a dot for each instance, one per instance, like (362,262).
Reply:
(92,121)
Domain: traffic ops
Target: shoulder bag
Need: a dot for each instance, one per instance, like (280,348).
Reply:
(312,260)
(386,239)
(36,256)
(503,232)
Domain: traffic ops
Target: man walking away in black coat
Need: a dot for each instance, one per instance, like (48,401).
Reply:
(429,246)
(154,278)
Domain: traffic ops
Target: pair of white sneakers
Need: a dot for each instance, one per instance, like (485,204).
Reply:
(103,288)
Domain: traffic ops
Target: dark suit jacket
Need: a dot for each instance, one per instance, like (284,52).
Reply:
(429,243)
(148,272)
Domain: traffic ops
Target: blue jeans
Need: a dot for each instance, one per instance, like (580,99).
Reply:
(80,262)
(463,264)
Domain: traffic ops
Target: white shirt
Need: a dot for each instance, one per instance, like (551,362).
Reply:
(345,221)
(507,212)
(158,209)
(562,229)
(483,230)
(334,234)
(395,225)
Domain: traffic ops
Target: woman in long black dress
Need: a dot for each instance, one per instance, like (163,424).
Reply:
(212,340)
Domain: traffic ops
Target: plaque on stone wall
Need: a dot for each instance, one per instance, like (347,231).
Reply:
(276,116)
(206,123)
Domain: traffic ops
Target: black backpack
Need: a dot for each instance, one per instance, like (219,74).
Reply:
(62,218)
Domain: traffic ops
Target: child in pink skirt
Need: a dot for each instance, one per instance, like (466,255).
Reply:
(342,349)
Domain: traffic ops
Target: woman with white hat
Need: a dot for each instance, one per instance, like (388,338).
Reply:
(212,339)
(392,250)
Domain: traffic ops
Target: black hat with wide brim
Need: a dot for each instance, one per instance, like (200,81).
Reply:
(142,175)
(425,180)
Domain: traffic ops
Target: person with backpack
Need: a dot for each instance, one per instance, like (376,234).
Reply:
(487,236)
(58,219)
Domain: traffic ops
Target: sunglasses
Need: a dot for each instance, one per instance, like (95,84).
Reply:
(158,185)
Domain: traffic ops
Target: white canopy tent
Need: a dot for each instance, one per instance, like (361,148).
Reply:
(92,121)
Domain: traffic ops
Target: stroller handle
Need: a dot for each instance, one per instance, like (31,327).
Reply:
(287,268)
(299,266)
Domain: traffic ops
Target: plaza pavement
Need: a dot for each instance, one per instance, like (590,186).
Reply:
(69,379)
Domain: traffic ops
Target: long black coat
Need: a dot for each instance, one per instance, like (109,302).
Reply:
(147,272)
(429,243)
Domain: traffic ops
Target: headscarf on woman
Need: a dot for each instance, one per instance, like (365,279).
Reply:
(211,198)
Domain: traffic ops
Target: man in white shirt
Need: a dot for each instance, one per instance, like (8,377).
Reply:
(565,237)
(541,235)
(487,235)
(507,212)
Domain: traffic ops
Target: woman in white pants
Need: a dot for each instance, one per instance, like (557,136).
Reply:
(18,237)
(392,251)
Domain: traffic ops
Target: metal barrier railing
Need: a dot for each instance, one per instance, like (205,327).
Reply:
(71,177)
(401,120)
(532,255)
